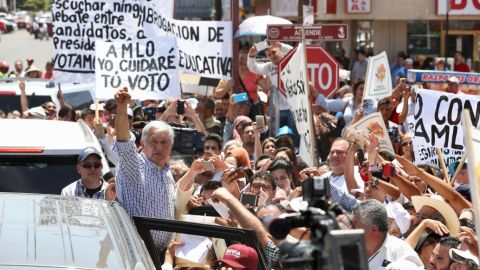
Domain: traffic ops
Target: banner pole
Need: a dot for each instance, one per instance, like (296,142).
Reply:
(442,165)
(312,127)
(459,168)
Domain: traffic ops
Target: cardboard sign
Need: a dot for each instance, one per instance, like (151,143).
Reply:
(378,82)
(204,47)
(472,145)
(294,77)
(427,153)
(438,118)
(373,123)
(146,67)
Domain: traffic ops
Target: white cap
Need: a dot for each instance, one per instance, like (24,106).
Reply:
(100,106)
(453,79)
(401,216)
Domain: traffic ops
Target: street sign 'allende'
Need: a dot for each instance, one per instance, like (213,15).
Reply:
(325,32)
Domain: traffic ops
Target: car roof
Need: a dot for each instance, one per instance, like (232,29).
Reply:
(59,232)
(52,136)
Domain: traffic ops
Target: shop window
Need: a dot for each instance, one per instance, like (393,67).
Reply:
(423,37)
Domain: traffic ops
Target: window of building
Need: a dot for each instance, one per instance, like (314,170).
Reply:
(364,38)
(423,37)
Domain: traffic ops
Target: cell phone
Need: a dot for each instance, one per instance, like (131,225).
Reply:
(181,107)
(388,170)
(262,45)
(260,120)
(360,156)
(149,113)
(238,98)
(208,165)
(249,199)
(359,138)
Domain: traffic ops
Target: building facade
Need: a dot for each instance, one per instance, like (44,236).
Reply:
(417,27)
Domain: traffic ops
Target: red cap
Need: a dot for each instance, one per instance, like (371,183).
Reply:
(240,256)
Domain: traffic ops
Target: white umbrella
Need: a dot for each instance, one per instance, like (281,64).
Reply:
(257,25)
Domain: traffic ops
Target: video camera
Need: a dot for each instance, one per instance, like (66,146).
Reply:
(329,248)
(188,141)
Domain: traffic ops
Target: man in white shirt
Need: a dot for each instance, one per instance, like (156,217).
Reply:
(336,162)
(382,249)
(279,110)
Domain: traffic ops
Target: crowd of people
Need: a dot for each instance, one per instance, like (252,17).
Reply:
(30,71)
(412,218)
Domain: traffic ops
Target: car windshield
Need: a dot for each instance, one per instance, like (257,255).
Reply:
(37,174)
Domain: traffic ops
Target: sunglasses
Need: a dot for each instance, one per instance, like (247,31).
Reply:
(406,143)
(88,165)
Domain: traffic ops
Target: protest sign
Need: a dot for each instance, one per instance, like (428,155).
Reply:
(294,77)
(373,123)
(438,116)
(378,82)
(208,50)
(427,153)
(472,145)
(204,47)
(146,67)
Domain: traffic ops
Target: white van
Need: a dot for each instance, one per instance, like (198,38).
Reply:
(40,156)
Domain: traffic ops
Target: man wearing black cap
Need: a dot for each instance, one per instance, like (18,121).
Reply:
(91,183)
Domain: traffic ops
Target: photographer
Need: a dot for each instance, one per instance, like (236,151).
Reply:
(176,109)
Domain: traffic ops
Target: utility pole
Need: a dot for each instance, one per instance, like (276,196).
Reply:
(235,43)
(446,35)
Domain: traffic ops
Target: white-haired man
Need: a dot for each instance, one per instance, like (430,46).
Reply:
(145,184)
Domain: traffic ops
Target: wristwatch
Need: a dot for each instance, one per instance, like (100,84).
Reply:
(374,182)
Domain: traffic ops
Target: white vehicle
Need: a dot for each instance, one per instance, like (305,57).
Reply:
(57,232)
(79,96)
(40,156)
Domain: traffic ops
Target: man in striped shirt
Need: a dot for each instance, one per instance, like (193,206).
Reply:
(144,182)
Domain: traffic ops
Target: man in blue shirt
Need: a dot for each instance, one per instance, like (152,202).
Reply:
(399,69)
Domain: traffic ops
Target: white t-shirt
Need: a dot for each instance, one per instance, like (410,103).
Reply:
(339,181)
(393,249)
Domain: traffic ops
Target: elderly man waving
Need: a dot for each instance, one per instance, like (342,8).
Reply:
(145,184)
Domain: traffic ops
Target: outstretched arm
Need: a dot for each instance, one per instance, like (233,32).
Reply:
(122,98)
(457,201)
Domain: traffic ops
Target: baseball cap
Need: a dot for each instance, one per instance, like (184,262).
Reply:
(401,216)
(87,152)
(240,256)
(100,107)
(285,130)
(453,79)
